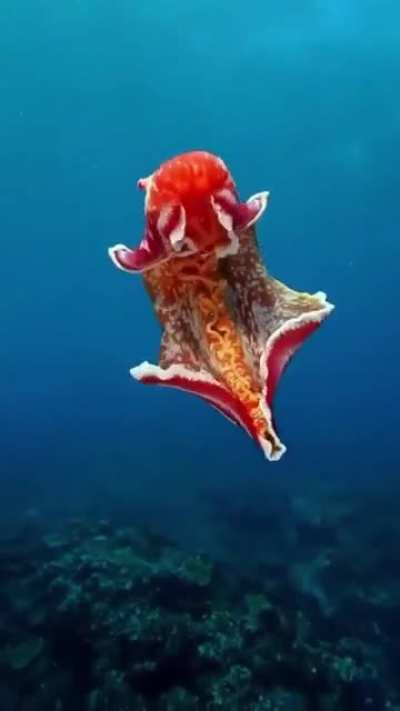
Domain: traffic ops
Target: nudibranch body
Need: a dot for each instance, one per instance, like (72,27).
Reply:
(229,329)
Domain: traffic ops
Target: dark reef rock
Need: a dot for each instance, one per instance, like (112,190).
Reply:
(94,618)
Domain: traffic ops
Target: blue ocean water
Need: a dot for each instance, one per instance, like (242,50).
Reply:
(150,557)
(298,98)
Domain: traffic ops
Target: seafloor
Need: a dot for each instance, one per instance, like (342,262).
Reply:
(299,610)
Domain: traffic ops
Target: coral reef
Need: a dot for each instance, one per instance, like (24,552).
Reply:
(100,617)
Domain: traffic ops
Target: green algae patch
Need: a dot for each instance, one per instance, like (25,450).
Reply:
(19,657)
(197,570)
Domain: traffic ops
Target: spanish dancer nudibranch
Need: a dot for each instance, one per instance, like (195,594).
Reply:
(229,328)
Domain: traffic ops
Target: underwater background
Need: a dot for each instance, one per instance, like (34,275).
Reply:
(301,99)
